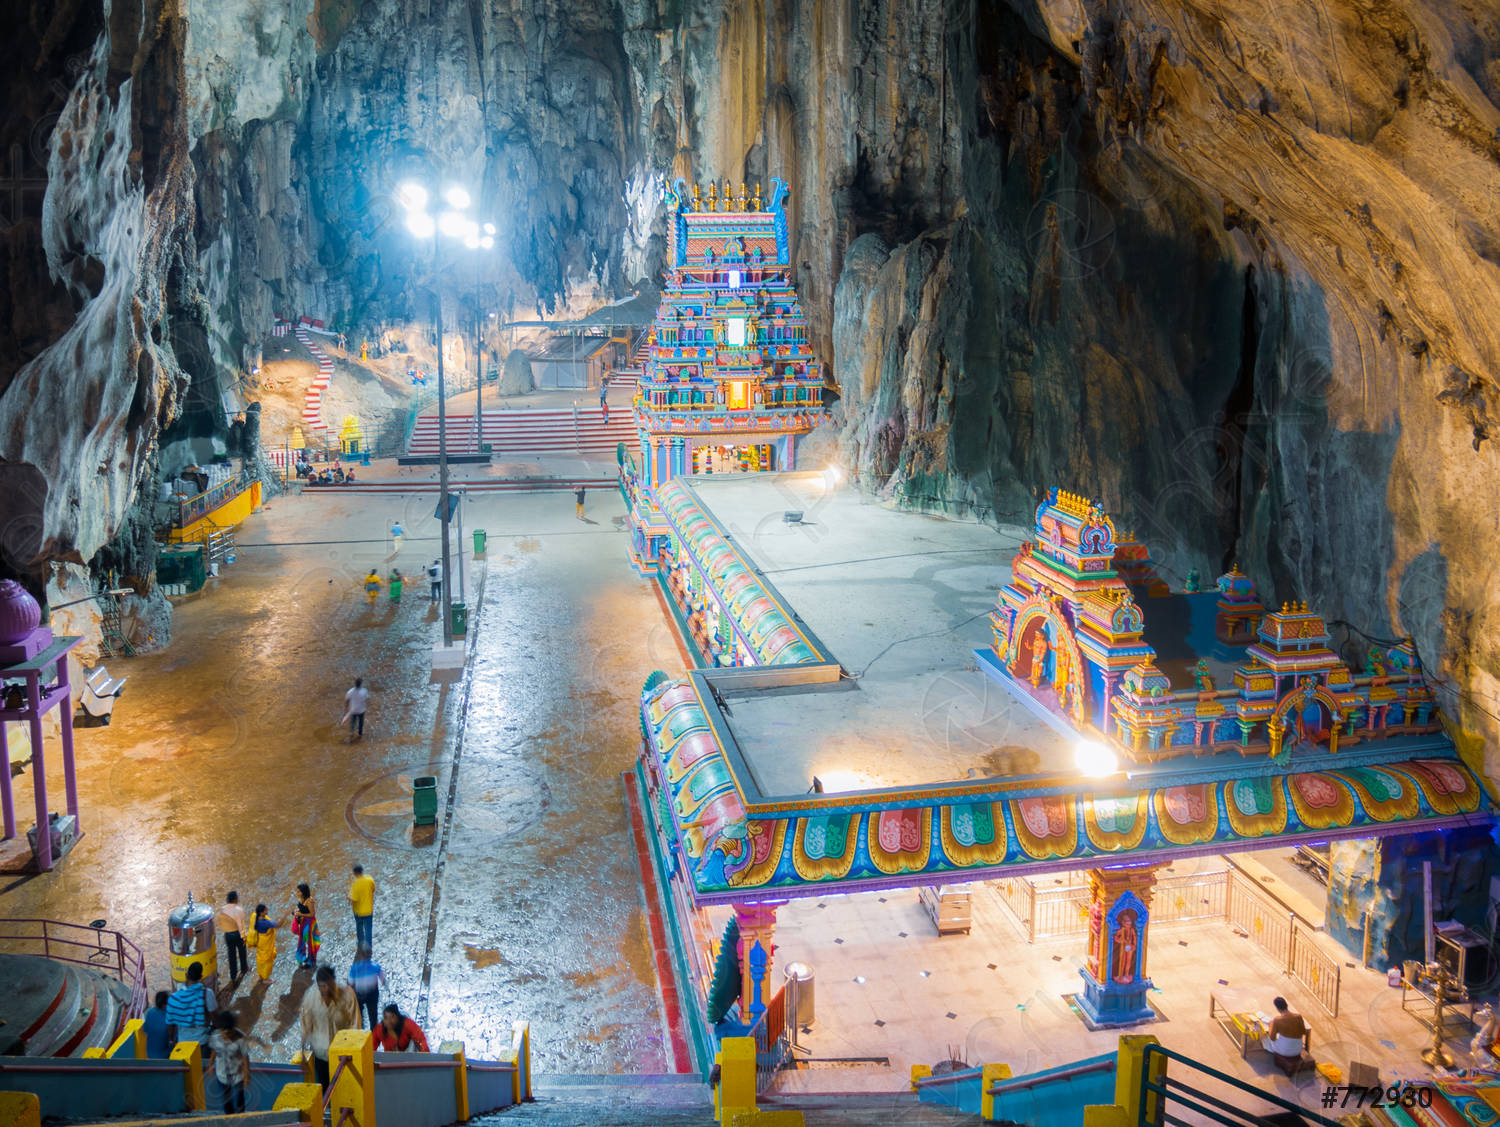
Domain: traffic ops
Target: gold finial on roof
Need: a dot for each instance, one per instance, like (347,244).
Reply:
(697,197)
(757,195)
(713,196)
(739,199)
(1283,608)
(728,193)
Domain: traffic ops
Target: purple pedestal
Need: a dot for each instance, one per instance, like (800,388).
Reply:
(43,678)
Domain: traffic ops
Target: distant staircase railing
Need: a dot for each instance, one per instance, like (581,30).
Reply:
(85,945)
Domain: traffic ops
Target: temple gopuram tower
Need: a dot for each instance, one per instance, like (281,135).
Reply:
(729,383)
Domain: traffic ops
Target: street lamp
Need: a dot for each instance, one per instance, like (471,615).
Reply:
(453,223)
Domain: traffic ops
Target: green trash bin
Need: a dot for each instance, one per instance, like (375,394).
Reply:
(424,800)
(479,541)
(460,620)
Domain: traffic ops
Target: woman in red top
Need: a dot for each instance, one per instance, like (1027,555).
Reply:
(399,1034)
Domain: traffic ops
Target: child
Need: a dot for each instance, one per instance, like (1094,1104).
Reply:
(231,1061)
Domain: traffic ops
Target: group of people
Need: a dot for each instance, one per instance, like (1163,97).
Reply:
(191,1012)
(335,476)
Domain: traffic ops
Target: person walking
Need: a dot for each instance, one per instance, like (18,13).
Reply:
(435,578)
(190,1008)
(231,1061)
(397,532)
(355,702)
(154,1025)
(263,939)
(393,584)
(399,1034)
(325,1011)
(372,587)
(305,926)
(578,497)
(362,901)
(366,978)
(230,920)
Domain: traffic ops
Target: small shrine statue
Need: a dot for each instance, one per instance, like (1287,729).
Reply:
(1122,958)
(1202,677)
(1192,584)
(1375,662)
(1039,649)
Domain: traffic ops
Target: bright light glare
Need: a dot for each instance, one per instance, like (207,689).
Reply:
(420,224)
(457,198)
(835,473)
(452,224)
(471,240)
(841,782)
(1094,759)
(487,242)
(489,228)
(412,196)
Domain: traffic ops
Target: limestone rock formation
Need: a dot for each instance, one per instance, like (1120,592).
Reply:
(516,377)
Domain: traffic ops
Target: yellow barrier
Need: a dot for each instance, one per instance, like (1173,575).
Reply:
(919,1072)
(304,1060)
(520,1046)
(191,1056)
(735,1092)
(355,1088)
(460,1078)
(20,1109)
(305,1099)
(95,1053)
(1130,1064)
(131,1038)
(782,1118)
(990,1075)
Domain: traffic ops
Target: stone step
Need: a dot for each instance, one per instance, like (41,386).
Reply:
(72,1010)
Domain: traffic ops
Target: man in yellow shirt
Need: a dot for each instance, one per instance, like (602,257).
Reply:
(362,900)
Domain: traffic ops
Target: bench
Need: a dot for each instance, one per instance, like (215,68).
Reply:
(100,691)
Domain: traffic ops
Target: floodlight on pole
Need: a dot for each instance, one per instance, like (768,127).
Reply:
(457,198)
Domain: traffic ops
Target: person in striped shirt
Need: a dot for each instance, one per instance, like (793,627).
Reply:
(190,1008)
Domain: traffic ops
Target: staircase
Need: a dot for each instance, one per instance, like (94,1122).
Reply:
(629,376)
(567,432)
(312,406)
(218,543)
(57,1009)
(685,1101)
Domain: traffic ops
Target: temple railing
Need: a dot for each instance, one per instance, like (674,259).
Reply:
(775,1033)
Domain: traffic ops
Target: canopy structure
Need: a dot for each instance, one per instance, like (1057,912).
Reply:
(735,846)
(1393,772)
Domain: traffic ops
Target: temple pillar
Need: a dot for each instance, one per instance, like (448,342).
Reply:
(757,924)
(1115,982)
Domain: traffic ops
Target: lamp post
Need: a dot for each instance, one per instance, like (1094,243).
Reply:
(453,223)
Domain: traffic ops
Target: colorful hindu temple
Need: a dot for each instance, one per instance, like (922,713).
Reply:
(1161,724)
(729,382)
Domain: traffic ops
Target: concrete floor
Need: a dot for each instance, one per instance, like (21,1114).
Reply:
(990,996)
(225,768)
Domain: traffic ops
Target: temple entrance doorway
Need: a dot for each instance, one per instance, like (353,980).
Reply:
(750,458)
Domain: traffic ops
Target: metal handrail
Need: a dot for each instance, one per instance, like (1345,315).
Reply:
(334,1080)
(1163,1091)
(491,1067)
(1031,1080)
(129,964)
(52,1064)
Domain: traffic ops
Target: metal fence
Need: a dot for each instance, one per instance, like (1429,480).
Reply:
(94,947)
(775,1033)
(1048,912)
(1310,965)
